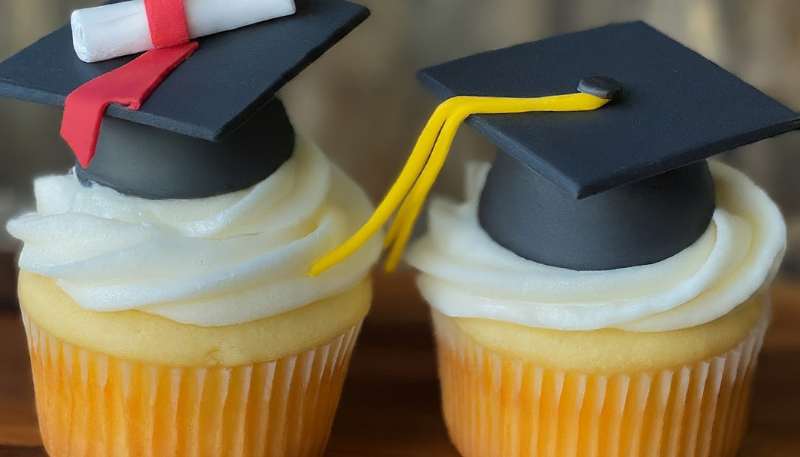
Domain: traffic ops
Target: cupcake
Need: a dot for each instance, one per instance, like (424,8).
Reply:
(163,281)
(603,289)
(654,359)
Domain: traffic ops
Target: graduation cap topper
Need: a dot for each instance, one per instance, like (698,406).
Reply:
(598,185)
(167,43)
(205,104)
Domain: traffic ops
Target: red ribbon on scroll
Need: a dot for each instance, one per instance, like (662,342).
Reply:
(131,84)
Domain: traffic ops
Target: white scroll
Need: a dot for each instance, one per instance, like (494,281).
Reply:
(120,29)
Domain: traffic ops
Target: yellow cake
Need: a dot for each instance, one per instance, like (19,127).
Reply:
(608,351)
(132,384)
(134,335)
(510,390)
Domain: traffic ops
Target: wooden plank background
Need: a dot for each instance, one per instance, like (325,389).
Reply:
(390,406)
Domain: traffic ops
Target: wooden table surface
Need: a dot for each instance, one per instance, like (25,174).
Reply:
(390,406)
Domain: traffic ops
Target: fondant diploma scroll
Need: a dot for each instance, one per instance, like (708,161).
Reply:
(120,29)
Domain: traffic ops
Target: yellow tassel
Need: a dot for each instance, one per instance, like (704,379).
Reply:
(407,195)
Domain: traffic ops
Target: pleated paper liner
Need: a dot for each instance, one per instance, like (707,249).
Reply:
(92,404)
(496,405)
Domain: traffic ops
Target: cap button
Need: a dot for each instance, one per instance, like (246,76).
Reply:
(601,86)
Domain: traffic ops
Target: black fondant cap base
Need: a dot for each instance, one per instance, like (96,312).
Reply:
(636,224)
(146,162)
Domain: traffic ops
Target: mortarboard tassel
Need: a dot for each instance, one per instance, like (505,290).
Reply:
(131,84)
(409,191)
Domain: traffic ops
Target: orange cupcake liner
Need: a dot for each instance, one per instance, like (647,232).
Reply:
(92,404)
(497,405)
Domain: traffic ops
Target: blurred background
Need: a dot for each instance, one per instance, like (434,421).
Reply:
(361,102)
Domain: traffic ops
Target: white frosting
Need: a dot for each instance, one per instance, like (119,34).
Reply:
(209,262)
(466,274)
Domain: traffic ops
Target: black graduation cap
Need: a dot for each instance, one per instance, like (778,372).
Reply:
(620,186)
(214,125)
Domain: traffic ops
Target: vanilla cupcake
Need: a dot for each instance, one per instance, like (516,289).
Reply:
(166,327)
(603,289)
(654,359)
(164,281)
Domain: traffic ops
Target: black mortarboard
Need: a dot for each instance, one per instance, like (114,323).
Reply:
(620,186)
(214,125)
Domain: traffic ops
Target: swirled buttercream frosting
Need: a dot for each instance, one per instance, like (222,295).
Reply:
(213,261)
(464,273)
